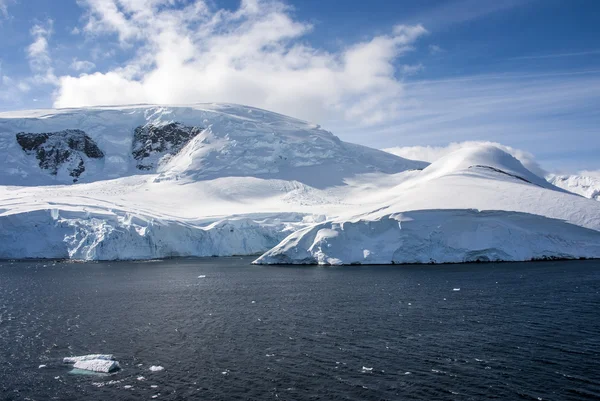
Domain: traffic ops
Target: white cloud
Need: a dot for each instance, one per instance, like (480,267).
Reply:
(253,55)
(433,153)
(39,56)
(82,65)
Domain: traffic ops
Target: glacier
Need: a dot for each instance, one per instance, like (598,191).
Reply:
(147,182)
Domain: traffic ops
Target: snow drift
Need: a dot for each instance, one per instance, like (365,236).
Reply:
(215,180)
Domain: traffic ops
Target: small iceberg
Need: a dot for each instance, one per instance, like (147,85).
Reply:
(156,368)
(101,363)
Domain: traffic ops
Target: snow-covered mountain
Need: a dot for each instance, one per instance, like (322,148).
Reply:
(583,185)
(140,182)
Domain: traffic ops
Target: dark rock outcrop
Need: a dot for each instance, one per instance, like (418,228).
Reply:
(54,150)
(151,142)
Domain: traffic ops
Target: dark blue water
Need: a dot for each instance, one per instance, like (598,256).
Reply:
(513,331)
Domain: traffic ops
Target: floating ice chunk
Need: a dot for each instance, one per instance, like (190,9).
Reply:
(456,289)
(365,369)
(153,386)
(156,368)
(41,366)
(202,276)
(97,365)
(140,378)
(73,359)
(128,386)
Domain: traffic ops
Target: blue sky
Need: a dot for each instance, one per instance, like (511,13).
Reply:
(525,73)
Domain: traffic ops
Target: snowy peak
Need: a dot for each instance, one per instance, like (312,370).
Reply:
(483,159)
(65,151)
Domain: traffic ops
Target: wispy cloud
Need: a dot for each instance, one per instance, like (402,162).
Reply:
(253,55)
(38,53)
(82,65)
(4,8)
(557,55)
(544,112)
(459,11)
(412,69)
(435,49)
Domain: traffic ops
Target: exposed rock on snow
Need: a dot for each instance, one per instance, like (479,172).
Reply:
(152,142)
(66,149)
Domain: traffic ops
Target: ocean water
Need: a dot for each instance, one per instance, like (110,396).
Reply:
(226,330)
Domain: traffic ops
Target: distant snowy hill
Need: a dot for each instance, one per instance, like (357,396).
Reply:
(583,185)
(139,182)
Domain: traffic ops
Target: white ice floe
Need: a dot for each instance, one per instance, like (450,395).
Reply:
(73,359)
(41,366)
(97,365)
(202,276)
(456,289)
(101,363)
(154,368)
(365,369)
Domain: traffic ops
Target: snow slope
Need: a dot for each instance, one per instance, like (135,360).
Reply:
(206,180)
(583,185)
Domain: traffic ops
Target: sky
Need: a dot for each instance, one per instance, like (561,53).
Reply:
(403,74)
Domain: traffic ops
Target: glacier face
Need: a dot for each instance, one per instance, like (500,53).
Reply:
(436,236)
(215,180)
